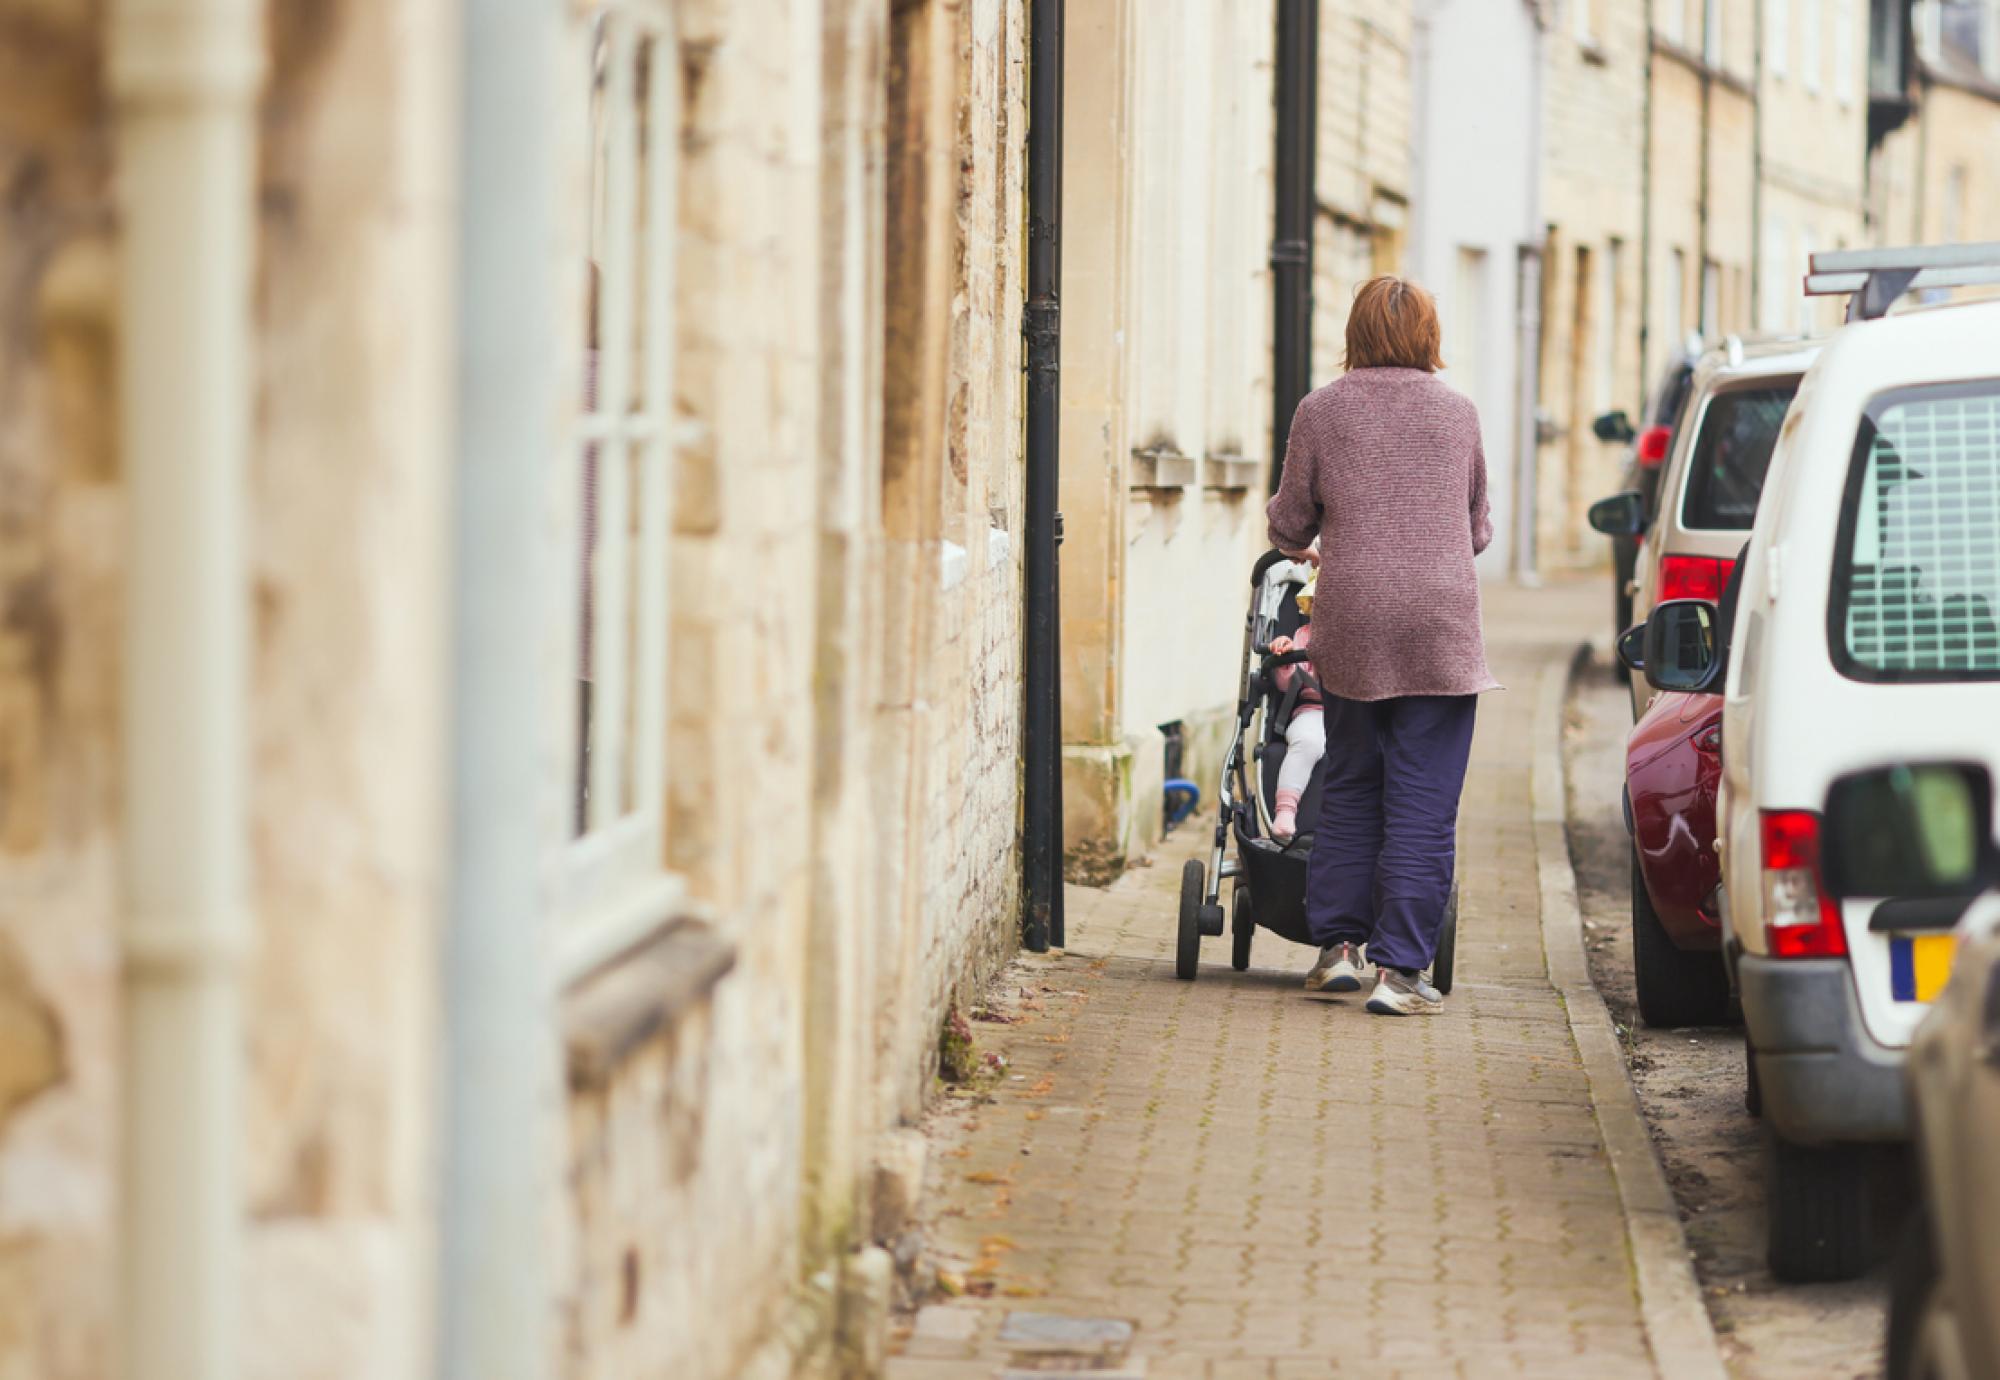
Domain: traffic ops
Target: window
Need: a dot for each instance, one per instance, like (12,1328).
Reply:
(1581,23)
(1807,312)
(1732,449)
(1673,302)
(1673,20)
(1844,73)
(613,883)
(1776,280)
(1810,61)
(1916,581)
(1711,33)
(1777,35)
(1608,323)
(1711,299)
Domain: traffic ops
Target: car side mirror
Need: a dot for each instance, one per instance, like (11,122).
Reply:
(1631,648)
(1621,515)
(1614,426)
(1683,647)
(1921,830)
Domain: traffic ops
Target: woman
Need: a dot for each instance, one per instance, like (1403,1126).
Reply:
(1385,469)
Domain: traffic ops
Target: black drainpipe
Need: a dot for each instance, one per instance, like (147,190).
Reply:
(1292,237)
(1042,844)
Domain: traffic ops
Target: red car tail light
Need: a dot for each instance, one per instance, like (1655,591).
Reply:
(1800,919)
(1654,443)
(1691,577)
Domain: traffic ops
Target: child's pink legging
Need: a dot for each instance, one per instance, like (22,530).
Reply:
(1305,744)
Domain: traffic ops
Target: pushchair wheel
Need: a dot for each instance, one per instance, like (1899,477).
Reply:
(1447,949)
(1187,955)
(1243,927)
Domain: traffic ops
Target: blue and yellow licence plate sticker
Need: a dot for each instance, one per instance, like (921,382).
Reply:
(1919,964)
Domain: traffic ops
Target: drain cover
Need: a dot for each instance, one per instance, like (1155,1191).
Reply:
(1056,1332)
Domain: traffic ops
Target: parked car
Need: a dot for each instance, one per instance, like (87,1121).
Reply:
(1924,832)
(1673,767)
(1706,499)
(1646,452)
(1865,632)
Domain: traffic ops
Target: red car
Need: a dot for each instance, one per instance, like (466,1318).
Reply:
(1673,766)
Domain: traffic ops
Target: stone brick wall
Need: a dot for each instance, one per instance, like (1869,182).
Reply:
(346,514)
(1592,274)
(60,517)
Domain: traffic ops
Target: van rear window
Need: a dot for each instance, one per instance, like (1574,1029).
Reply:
(1731,452)
(1916,583)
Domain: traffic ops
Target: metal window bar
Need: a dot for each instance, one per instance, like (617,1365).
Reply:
(1926,583)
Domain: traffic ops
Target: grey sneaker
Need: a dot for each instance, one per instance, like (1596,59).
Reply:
(1338,970)
(1403,994)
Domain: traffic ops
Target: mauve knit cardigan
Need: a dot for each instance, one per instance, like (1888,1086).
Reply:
(1384,466)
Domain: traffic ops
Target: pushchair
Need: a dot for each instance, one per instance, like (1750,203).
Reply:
(1269,876)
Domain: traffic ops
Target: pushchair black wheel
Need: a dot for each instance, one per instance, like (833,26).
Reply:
(1187,955)
(1243,928)
(1447,949)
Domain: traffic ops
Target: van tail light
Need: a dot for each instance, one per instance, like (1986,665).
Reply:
(1653,444)
(1800,919)
(1690,577)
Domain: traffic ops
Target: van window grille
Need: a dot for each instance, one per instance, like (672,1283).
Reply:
(1917,583)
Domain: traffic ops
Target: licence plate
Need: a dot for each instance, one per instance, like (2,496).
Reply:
(1919,964)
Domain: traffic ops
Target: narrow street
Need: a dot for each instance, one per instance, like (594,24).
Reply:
(1229,1178)
(1690,1085)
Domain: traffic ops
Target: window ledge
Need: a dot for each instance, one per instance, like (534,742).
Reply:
(1229,473)
(621,1006)
(1592,49)
(1161,467)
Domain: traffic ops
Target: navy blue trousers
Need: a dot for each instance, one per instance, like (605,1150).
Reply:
(1387,838)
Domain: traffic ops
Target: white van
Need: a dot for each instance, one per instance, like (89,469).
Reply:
(1867,628)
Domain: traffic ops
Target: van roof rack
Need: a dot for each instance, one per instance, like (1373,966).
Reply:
(1877,277)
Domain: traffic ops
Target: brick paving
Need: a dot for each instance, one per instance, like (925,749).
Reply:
(1269,1184)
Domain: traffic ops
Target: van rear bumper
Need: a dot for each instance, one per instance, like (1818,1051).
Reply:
(1822,1076)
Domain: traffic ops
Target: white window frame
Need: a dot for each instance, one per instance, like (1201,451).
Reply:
(1711,33)
(1777,36)
(1843,52)
(1581,24)
(1673,21)
(614,888)
(1812,58)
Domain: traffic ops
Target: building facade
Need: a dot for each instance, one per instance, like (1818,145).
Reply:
(1168,147)
(1594,175)
(768,653)
(1934,174)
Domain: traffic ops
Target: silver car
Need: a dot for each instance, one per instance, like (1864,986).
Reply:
(1701,513)
(1925,835)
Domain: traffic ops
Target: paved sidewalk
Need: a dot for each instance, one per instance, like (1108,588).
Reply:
(1267,1184)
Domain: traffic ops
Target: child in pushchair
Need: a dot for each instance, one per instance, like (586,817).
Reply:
(1271,778)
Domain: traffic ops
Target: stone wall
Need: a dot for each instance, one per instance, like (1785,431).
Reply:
(345,506)
(1166,389)
(844,679)
(1592,271)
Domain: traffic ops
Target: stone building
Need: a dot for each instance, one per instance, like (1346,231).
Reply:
(1935,173)
(528,604)
(1812,97)
(1165,399)
(1594,177)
